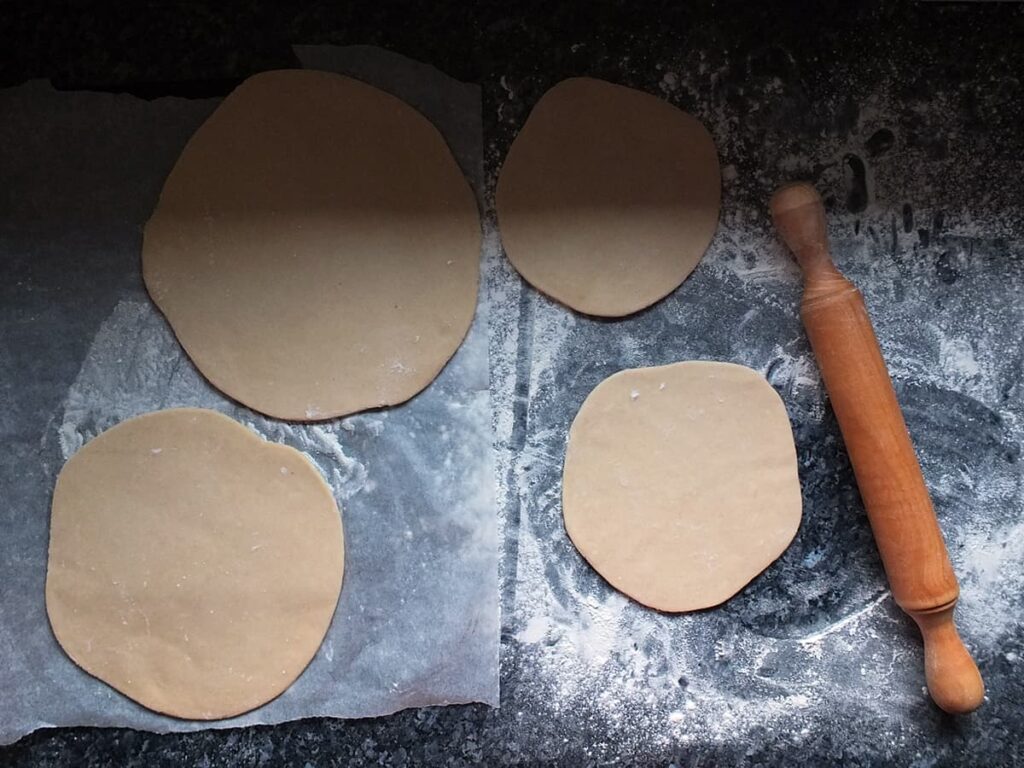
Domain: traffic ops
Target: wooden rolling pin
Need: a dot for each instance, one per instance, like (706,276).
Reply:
(888,475)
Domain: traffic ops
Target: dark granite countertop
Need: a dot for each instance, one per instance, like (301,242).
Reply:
(907,115)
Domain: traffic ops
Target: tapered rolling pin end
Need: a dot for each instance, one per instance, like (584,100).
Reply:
(799,216)
(953,678)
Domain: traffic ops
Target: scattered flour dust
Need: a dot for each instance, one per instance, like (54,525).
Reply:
(704,676)
(990,597)
(644,673)
(588,653)
(640,670)
(700,677)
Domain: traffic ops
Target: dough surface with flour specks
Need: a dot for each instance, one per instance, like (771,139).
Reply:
(608,197)
(680,482)
(316,247)
(193,566)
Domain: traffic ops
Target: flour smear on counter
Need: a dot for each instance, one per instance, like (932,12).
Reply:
(647,676)
(817,637)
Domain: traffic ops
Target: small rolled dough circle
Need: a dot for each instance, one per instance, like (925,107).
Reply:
(316,248)
(680,482)
(608,197)
(193,566)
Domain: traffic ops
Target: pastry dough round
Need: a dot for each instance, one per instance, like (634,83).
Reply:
(680,482)
(608,197)
(316,248)
(193,566)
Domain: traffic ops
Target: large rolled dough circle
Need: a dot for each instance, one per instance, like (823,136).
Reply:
(680,482)
(316,248)
(193,566)
(608,197)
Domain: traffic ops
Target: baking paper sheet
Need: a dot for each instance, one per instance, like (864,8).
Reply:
(82,348)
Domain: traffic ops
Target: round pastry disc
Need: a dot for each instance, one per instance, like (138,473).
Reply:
(193,566)
(680,482)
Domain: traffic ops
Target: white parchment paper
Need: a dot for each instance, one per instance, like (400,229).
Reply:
(417,623)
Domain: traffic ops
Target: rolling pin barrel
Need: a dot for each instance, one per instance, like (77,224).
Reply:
(888,475)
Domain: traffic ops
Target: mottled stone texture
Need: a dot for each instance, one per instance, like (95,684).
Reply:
(908,117)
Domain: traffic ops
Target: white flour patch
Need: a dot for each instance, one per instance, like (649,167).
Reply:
(322,444)
(813,642)
(500,293)
(959,365)
(991,570)
(133,366)
(746,251)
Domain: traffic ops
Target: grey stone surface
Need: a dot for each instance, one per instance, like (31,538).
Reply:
(908,117)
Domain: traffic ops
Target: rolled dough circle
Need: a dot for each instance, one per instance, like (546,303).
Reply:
(608,197)
(316,248)
(193,566)
(680,482)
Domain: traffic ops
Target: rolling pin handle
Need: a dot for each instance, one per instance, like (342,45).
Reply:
(953,678)
(800,218)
